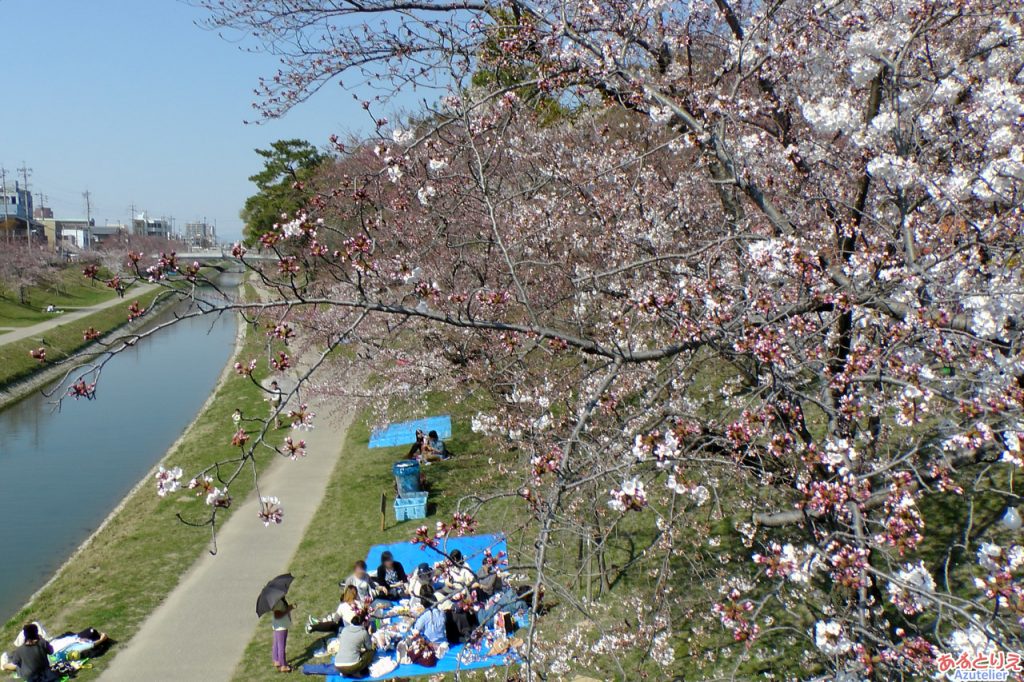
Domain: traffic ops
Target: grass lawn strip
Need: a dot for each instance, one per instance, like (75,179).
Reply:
(64,340)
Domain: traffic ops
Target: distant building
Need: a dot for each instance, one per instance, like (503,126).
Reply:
(144,226)
(42,212)
(111,233)
(69,234)
(201,235)
(17,218)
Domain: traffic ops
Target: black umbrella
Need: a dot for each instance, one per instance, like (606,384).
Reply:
(272,593)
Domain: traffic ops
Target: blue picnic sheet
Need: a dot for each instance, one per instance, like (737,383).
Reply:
(448,664)
(405,432)
(410,555)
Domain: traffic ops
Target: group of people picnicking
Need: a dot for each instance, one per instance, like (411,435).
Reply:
(415,616)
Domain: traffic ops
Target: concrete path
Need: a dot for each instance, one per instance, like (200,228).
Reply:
(39,330)
(202,629)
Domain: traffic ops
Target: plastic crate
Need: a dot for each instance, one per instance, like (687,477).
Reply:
(412,506)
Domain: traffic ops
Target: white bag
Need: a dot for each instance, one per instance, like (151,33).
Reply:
(1011,519)
(382,666)
(20,639)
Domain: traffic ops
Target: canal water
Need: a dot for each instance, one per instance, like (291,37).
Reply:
(62,473)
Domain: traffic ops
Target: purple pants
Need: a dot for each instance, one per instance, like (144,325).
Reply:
(280,643)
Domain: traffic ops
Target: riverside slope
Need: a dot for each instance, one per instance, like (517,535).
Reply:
(200,632)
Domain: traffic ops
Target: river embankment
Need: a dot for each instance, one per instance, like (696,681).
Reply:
(68,476)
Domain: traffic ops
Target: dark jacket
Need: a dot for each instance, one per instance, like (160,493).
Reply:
(32,663)
(399,571)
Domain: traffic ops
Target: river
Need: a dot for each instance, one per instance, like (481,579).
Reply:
(62,473)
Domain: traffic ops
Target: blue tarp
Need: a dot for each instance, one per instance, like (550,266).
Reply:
(405,433)
(448,664)
(410,555)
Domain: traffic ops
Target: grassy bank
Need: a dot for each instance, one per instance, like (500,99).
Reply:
(66,290)
(140,555)
(347,522)
(63,340)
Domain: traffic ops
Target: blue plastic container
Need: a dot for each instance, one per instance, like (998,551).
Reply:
(413,506)
(407,477)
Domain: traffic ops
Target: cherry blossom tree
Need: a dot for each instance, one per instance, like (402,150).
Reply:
(745,303)
(23,266)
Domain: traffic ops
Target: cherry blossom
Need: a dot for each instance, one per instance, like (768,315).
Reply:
(630,497)
(302,418)
(294,449)
(271,511)
(909,591)
(168,480)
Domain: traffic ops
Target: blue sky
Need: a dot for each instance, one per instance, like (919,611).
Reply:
(132,101)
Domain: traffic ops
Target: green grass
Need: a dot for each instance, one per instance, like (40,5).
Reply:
(140,556)
(348,523)
(66,289)
(63,340)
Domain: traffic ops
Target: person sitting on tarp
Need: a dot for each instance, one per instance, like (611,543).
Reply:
(391,576)
(431,623)
(509,600)
(460,621)
(417,446)
(434,449)
(423,575)
(31,659)
(348,606)
(365,585)
(459,579)
(489,582)
(355,649)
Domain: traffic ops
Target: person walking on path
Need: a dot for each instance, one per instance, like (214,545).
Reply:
(282,621)
(276,398)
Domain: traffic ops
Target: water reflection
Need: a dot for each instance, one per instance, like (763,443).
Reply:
(62,473)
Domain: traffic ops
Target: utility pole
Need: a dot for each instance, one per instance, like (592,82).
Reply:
(87,232)
(131,224)
(25,171)
(3,192)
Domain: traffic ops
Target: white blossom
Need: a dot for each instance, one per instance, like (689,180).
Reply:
(401,136)
(830,638)
(425,194)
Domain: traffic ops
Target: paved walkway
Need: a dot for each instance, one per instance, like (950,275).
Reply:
(39,330)
(201,631)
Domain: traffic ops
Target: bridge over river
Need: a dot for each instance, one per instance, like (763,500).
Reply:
(207,255)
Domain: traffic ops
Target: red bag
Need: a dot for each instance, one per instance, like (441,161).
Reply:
(421,652)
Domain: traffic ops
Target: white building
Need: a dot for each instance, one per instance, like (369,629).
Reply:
(201,235)
(144,226)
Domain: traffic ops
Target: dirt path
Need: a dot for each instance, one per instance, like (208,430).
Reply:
(39,330)
(201,631)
